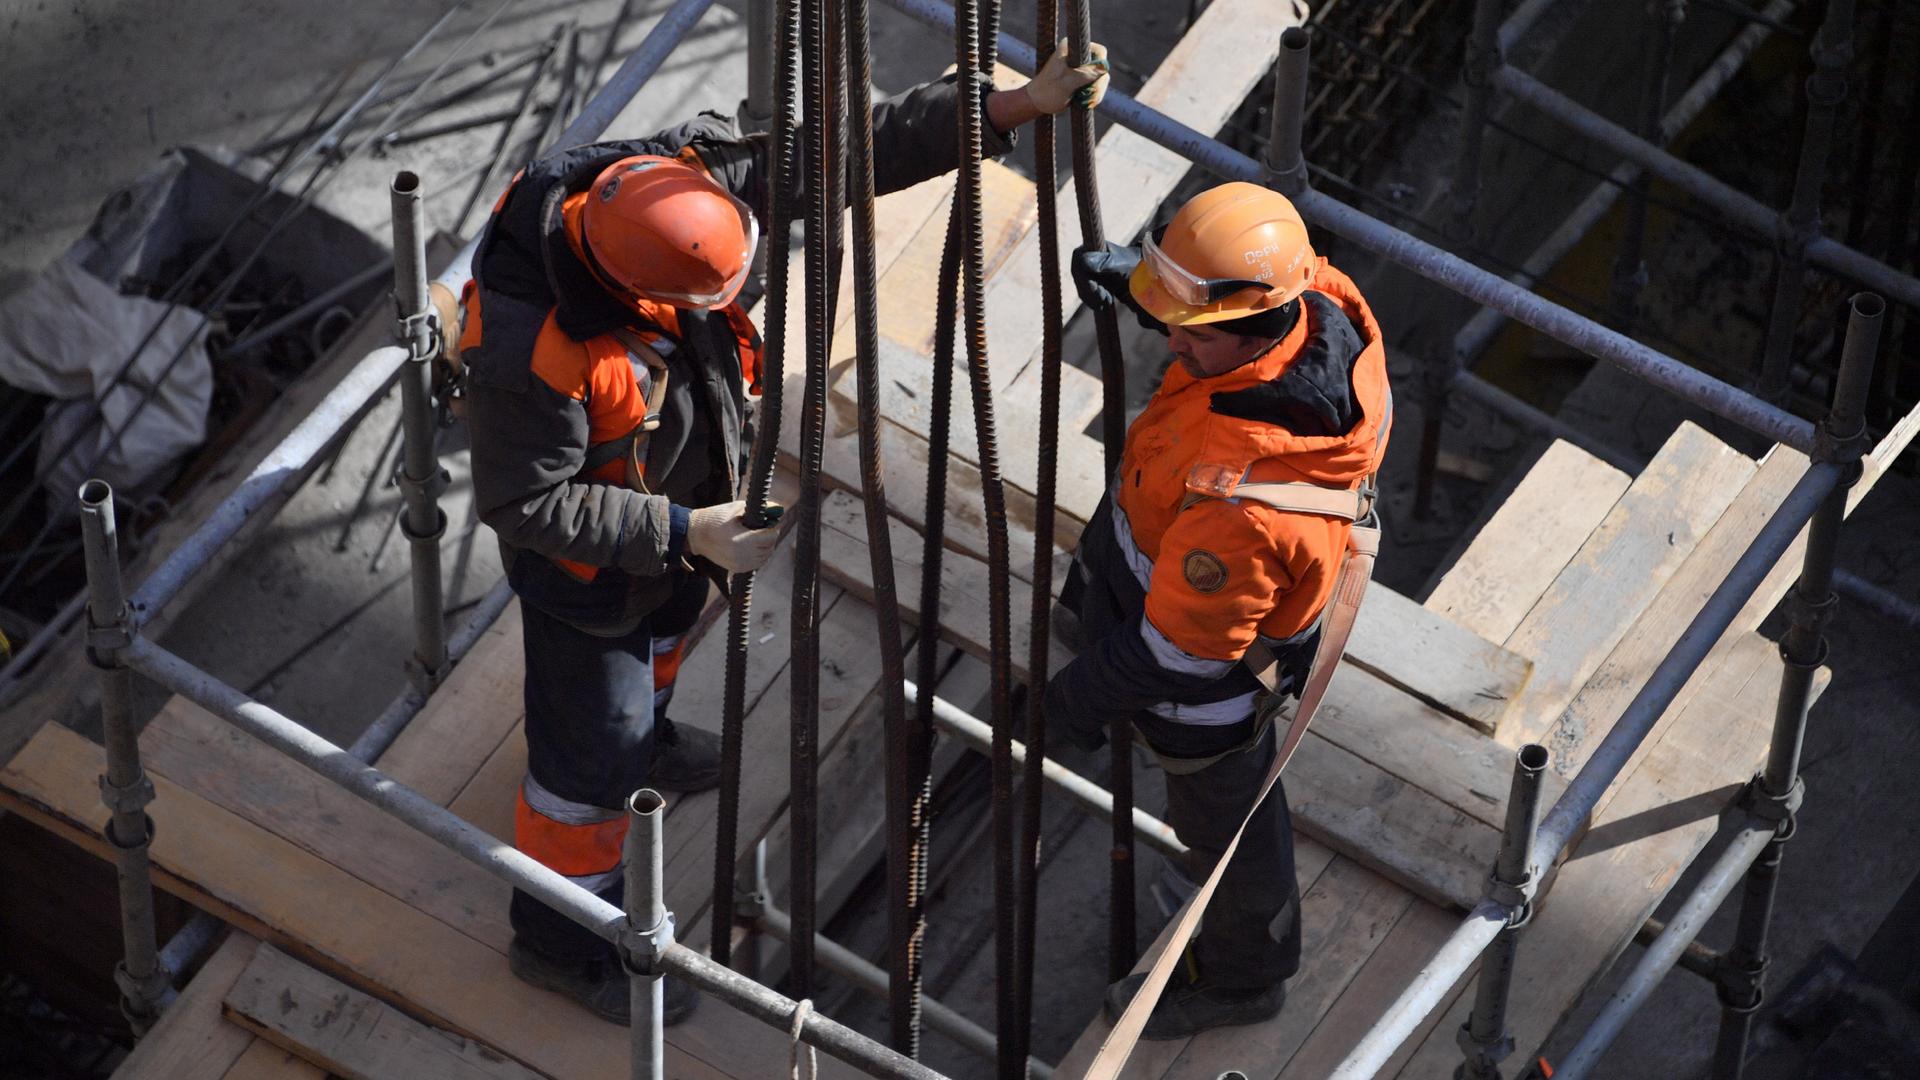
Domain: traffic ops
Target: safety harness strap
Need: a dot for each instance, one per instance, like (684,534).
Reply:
(1343,607)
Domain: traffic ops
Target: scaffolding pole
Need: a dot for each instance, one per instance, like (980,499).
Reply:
(420,477)
(125,787)
(1484,1037)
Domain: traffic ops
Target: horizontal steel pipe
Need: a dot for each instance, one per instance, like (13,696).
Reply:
(858,970)
(1425,993)
(394,719)
(1090,796)
(1432,263)
(499,859)
(1736,206)
(1660,957)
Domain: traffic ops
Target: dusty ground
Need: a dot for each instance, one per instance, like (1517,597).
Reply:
(94,89)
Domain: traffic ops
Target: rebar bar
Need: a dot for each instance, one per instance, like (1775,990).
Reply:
(125,788)
(781,148)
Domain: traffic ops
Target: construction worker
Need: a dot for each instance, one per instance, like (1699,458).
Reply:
(607,362)
(1179,587)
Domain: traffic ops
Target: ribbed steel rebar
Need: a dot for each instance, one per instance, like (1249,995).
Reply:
(779,214)
(904,927)
(817,67)
(1113,436)
(969,59)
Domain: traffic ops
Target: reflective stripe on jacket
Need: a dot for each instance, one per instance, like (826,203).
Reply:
(1173,589)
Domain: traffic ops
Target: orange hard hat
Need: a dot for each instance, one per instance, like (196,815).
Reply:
(664,231)
(1232,251)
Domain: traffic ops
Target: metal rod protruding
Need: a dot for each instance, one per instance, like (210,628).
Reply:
(1284,158)
(646,917)
(1484,1038)
(125,789)
(421,479)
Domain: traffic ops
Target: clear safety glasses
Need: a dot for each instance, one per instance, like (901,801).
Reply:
(1191,289)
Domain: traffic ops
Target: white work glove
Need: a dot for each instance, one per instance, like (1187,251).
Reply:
(1057,84)
(719,534)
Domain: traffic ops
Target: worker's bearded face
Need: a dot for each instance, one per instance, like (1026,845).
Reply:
(1205,351)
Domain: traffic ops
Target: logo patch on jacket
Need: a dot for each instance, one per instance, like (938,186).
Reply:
(1204,570)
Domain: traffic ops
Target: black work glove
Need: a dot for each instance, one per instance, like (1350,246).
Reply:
(1100,274)
(1082,730)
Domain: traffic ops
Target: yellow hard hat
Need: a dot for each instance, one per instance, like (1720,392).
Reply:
(1232,251)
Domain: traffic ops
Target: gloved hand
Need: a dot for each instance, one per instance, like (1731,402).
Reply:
(1098,271)
(1083,731)
(720,535)
(1057,84)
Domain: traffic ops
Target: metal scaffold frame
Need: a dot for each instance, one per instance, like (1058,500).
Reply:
(643,933)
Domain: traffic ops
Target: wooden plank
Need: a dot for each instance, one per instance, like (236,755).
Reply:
(1663,813)
(1618,571)
(265,1061)
(1513,560)
(465,720)
(1150,1060)
(191,1041)
(1007,213)
(327,915)
(1407,949)
(1345,918)
(348,1033)
(1435,659)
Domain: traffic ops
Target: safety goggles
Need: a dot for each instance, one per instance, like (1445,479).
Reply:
(1190,289)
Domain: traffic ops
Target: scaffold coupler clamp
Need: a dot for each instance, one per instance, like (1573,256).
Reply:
(1515,896)
(1482,1058)
(140,997)
(641,950)
(107,640)
(1842,447)
(1779,809)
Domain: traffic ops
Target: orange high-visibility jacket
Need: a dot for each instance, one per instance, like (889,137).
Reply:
(1175,582)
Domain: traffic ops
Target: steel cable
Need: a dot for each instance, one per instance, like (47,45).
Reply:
(779,214)
(1113,433)
(905,921)
(1047,227)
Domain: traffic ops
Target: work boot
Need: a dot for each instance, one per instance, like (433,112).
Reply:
(685,760)
(600,985)
(1188,1007)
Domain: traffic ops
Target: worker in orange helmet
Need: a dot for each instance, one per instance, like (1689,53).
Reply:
(1181,590)
(607,365)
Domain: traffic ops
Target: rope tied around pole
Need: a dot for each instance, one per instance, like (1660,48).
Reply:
(800,1013)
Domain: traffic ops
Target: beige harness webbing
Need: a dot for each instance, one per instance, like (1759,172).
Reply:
(1349,588)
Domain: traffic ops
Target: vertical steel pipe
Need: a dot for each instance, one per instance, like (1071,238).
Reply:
(1484,1038)
(1284,158)
(1800,224)
(1776,793)
(125,788)
(756,112)
(421,479)
(646,918)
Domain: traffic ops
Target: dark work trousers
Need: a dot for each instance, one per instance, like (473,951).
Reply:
(591,715)
(1250,934)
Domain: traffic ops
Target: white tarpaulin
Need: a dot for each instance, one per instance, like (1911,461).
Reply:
(68,335)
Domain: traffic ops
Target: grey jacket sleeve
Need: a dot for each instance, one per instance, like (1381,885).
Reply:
(529,441)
